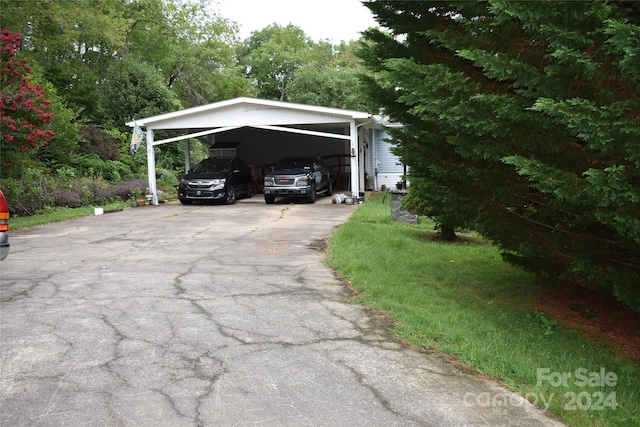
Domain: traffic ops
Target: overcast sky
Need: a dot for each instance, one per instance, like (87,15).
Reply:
(335,20)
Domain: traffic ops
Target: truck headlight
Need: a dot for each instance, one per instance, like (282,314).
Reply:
(269,181)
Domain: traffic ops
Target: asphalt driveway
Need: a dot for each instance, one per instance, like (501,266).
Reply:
(176,315)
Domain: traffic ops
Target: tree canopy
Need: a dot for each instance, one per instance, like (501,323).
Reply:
(74,72)
(272,56)
(521,121)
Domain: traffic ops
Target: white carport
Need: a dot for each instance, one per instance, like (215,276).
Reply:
(268,129)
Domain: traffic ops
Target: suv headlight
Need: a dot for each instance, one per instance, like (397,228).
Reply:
(302,181)
(269,181)
(217,181)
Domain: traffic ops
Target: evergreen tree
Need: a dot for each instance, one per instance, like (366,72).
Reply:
(521,120)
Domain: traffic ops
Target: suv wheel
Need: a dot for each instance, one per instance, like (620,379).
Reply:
(269,200)
(312,194)
(231,195)
(329,191)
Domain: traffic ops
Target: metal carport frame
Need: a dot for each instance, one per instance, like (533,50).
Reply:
(256,113)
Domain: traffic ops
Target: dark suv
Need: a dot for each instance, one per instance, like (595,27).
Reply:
(224,179)
(297,177)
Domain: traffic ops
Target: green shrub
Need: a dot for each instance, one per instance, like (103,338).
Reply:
(34,192)
(116,171)
(110,171)
(125,190)
(90,165)
(29,193)
(167,179)
(69,197)
(66,173)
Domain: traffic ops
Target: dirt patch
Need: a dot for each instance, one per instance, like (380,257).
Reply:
(318,244)
(594,313)
(461,239)
(273,251)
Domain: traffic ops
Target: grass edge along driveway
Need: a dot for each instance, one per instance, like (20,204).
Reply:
(462,301)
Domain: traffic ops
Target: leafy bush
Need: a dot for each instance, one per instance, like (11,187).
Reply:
(125,190)
(68,197)
(112,170)
(25,114)
(34,192)
(89,164)
(30,193)
(116,171)
(97,141)
(167,178)
(66,173)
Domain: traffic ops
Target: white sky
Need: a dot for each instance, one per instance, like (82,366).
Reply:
(335,20)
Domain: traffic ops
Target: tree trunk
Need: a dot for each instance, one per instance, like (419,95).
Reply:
(447,233)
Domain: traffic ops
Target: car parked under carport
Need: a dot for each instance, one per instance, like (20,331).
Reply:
(262,131)
(213,179)
(298,178)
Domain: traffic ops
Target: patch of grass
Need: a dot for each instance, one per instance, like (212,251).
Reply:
(60,214)
(463,300)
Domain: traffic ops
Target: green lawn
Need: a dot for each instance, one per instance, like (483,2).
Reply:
(60,214)
(462,300)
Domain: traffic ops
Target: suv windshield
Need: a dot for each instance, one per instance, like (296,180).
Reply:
(212,166)
(294,164)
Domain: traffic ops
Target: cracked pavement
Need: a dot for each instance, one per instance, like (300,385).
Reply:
(208,315)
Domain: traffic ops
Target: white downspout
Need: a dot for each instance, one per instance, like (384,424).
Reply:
(376,162)
(355,181)
(151,167)
(355,158)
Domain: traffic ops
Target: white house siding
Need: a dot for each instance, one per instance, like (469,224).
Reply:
(385,166)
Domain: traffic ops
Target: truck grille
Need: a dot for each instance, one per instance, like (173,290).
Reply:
(284,181)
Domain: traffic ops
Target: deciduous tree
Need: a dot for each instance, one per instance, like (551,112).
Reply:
(133,90)
(272,56)
(190,46)
(74,42)
(329,77)
(24,109)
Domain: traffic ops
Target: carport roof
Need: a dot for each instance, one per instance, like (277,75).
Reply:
(257,113)
(246,111)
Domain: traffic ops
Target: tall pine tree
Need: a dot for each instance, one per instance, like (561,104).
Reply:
(522,121)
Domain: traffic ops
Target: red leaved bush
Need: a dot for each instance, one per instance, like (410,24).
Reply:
(23,106)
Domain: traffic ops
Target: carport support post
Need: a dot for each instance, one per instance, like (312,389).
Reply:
(355,181)
(151,166)
(187,155)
